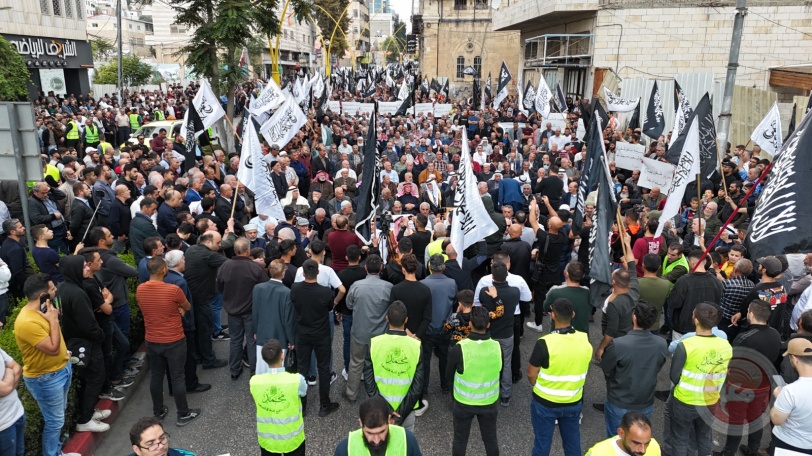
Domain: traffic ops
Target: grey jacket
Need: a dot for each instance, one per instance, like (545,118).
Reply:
(369,300)
(617,319)
(443,295)
(273,314)
(631,364)
(114,274)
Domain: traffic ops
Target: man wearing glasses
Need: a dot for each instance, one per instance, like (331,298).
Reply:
(149,439)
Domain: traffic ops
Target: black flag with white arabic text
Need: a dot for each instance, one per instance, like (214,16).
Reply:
(560,99)
(600,258)
(654,124)
(780,223)
(591,171)
(370,185)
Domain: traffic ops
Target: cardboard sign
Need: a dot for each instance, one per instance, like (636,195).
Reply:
(655,173)
(422,109)
(442,109)
(628,156)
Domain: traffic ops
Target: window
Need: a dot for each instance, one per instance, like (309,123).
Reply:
(130,26)
(460,67)
(68,9)
(481,4)
(79,13)
(57,7)
(177,28)
(460,4)
(45,6)
(478,64)
(531,50)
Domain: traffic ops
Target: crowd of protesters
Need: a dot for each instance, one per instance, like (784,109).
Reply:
(200,248)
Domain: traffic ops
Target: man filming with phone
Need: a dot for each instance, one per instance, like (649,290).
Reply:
(46,370)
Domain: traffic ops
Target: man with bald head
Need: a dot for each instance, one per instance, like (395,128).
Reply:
(222,208)
(241,274)
(653,199)
(547,253)
(120,217)
(519,252)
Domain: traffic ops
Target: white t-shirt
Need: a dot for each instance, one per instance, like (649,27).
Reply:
(11,409)
(327,277)
(513,280)
(796,400)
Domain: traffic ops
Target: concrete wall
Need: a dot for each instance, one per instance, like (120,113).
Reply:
(27,18)
(666,41)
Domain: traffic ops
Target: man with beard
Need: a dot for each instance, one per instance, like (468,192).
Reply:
(377,437)
(633,439)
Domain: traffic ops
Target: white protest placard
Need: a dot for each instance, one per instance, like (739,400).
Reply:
(628,156)
(334,106)
(557,120)
(422,109)
(365,109)
(508,128)
(655,173)
(442,109)
(350,108)
(388,107)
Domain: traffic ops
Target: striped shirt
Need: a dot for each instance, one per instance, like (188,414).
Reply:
(735,290)
(159,303)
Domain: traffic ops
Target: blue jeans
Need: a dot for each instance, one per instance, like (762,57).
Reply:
(51,393)
(121,351)
(346,322)
(216,313)
(12,439)
(121,316)
(312,372)
(614,415)
(544,419)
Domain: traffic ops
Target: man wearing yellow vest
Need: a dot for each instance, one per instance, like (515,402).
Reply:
(280,426)
(135,119)
(633,439)
(675,265)
(90,136)
(394,367)
(438,245)
(474,364)
(557,371)
(378,436)
(698,371)
(73,136)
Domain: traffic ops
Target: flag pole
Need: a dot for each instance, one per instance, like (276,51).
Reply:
(730,219)
(232,127)
(719,159)
(699,199)
(234,199)
(621,230)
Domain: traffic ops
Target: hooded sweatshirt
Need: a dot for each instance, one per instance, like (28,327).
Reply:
(78,320)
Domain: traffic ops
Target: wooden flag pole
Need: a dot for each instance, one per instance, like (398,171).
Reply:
(699,209)
(234,199)
(621,229)
(232,127)
(719,159)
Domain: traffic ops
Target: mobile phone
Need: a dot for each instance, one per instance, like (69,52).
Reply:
(43,306)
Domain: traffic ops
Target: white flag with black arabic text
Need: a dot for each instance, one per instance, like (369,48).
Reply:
(270,98)
(687,168)
(284,124)
(208,107)
(255,175)
(768,133)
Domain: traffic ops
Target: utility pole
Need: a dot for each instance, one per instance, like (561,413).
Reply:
(723,132)
(120,68)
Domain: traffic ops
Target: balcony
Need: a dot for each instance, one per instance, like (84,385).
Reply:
(526,14)
(572,50)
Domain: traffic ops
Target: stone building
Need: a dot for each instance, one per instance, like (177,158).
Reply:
(454,34)
(584,43)
(51,38)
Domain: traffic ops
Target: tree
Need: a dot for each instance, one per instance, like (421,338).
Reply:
(135,72)
(399,30)
(14,77)
(327,24)
(221,29)
(102,49)
(392,48)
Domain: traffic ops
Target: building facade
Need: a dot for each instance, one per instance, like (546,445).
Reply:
(358,35)
(454,34)
(584,44)
(50,36)
(133,33)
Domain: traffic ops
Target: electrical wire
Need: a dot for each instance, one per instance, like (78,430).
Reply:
(778,23)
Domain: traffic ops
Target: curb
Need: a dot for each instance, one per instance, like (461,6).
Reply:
(85,443)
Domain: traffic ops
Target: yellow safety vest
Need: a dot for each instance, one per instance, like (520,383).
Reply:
(280,427)
(53,171)
(91,134)
(479,382)
(668,267)
(395,447)
(436,247)
(74,132)
(563,381)
(704,371)
(135,123)
(394,359)
(158,114)
(607,448)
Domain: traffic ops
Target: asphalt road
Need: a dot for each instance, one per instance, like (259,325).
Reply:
(227,424)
